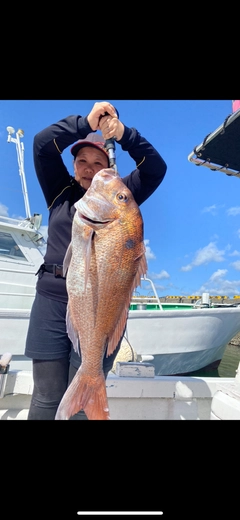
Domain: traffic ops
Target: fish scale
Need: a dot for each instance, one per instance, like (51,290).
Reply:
(103,264)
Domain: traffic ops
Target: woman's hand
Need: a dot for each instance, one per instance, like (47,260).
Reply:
(111,127)
(98,110)
(109,124)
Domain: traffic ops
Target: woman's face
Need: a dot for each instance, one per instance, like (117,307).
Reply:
(88,162)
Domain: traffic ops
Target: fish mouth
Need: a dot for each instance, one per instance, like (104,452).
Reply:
(88,220)
(94,211)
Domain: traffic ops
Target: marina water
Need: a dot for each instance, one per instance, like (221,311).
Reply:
(230,361)
(228,365)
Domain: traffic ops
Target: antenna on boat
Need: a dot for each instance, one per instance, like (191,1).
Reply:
(20,153)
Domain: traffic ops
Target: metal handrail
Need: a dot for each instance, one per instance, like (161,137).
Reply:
(154,290)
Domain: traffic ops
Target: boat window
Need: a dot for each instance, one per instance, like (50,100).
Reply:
(9,248)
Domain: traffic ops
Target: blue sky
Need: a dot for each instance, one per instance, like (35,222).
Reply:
(192,221)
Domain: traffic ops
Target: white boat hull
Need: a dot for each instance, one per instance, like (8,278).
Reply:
(182,341)
(17,286)
(175,342)
(14,326)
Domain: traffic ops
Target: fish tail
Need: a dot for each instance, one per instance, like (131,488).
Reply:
(83,394)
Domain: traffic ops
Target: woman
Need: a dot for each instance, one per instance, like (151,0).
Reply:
(54,360)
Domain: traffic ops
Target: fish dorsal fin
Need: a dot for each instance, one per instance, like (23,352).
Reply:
(119,329)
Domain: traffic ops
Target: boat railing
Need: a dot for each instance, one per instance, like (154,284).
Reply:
(31,225)
(149,298)
(16,222)
(154,290)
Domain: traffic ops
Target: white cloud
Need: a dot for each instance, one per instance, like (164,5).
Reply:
(4,213)
(3,210)
(236,265)
(209,253)
(18,217)
(218,286)
(212,209)
(218,275)
(160,276)
(233,211)
(149,254)
(186,267)
(235,253)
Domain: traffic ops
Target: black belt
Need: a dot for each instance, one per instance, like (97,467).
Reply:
(55,269)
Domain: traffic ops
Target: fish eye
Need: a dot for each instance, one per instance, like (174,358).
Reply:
(122,197)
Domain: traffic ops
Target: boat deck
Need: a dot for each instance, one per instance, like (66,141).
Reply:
(131,398)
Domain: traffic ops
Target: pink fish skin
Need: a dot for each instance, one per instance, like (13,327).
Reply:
(103,264)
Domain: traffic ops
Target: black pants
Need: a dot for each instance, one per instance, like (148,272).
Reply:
(51,379)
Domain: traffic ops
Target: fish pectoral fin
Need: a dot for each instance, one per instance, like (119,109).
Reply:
(67,259)
(85,393)
(72,333)
(141,271)
(119,330)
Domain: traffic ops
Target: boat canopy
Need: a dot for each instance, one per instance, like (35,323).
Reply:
(220,150)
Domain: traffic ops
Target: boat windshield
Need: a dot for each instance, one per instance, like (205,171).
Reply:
(9,247)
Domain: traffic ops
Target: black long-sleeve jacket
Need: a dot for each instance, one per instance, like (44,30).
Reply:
(61,190)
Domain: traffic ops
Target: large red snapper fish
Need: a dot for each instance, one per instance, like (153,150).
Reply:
(103,265)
